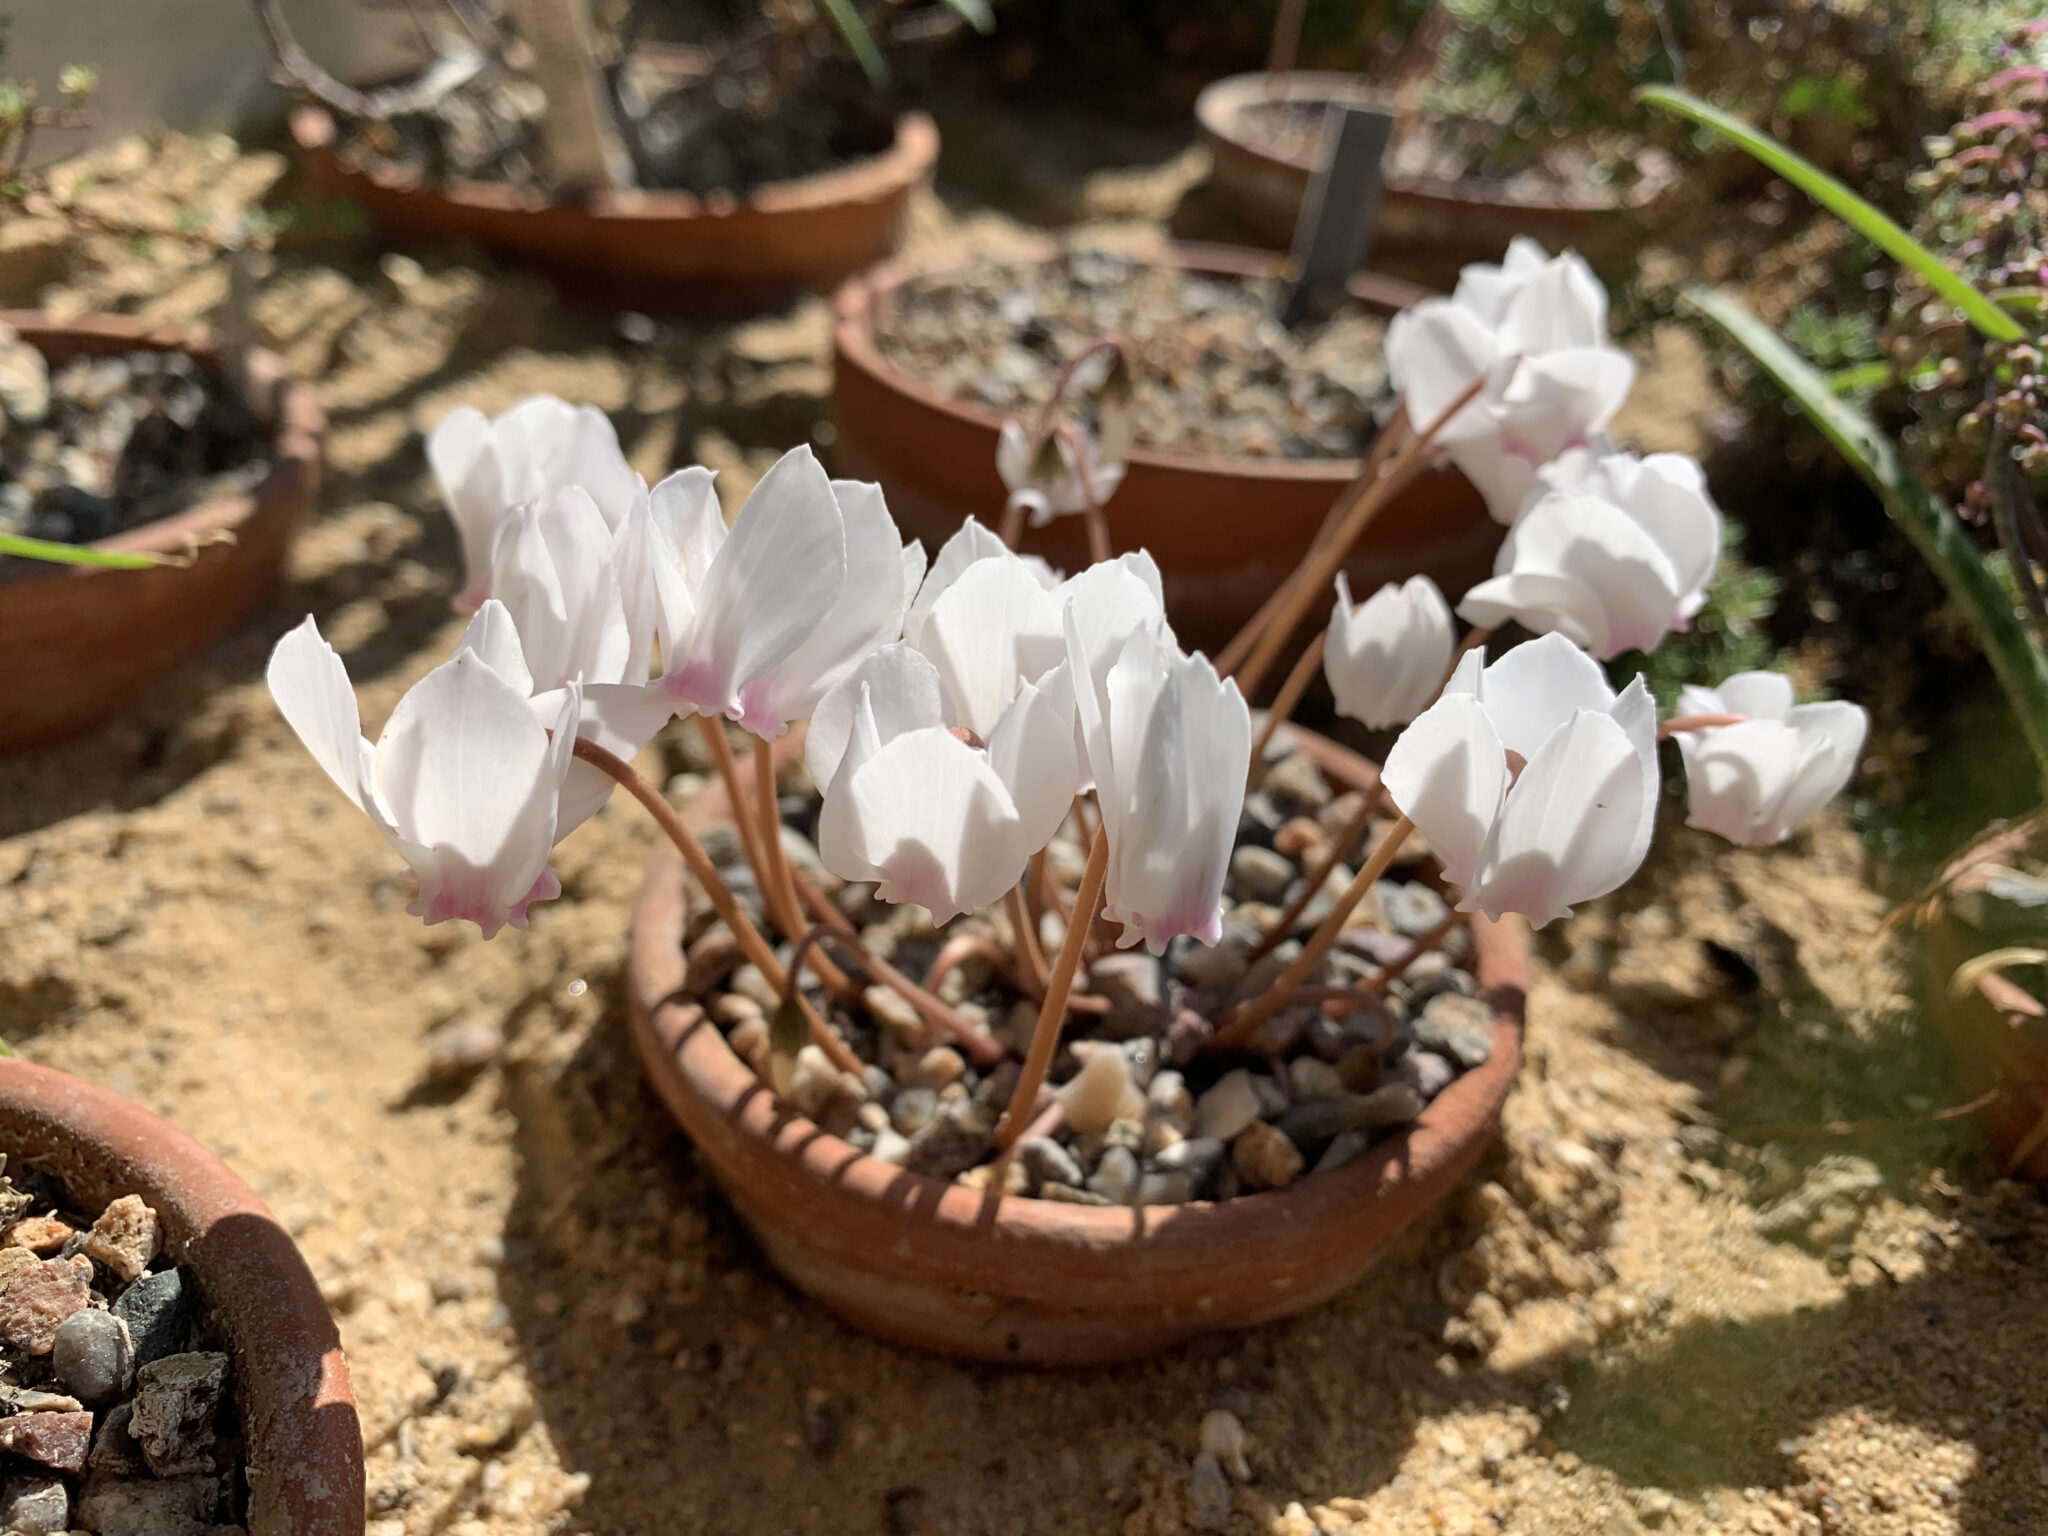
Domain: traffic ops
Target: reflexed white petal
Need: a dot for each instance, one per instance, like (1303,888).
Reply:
(654,598)
(1435,350)
(905,695)
(1544,604)
(1535,688)
(1567,830)
(867,614)
(458,453)
(1831,743)
(1736,776)
(970,544)
(929,813)
(836,823)
(1032,751)
(782,566)
(312,691)
(495,639)
(992,628)
(1447,773)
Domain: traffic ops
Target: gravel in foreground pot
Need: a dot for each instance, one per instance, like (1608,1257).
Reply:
(1118,1233)
(207,1373)
(138,439)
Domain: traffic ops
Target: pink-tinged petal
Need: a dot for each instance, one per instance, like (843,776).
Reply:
(993,627)
(782,566)
(1447,774)
(971,544)
(495,639)
(1567,830)
(1537,686)
(903,694)
(312,691)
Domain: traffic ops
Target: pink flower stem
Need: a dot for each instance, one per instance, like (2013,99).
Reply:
(1240,1023)
(1045,1038)
(752,945)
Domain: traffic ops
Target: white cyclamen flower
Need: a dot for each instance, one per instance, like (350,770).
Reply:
(1534,783)
(1057,481)
(1615,557)
(756,622)
(1756,781)
(464,781)
(1386,658)
(487,465)
(1168,745)
(1534,329)
(931,819)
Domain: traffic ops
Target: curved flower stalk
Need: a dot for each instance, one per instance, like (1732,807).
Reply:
(1534,330)
(1614,556)
(1534,782)
(1069,472)
(486,465)
(931,819)
(1168,745)
(758,621)
(1755,781)
(464,781)
(1386,658)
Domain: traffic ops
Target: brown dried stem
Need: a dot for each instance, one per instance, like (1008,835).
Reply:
(1052,1015)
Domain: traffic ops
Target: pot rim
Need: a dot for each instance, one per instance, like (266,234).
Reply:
(1218,109)
(703,1063)
(854,304)
(304,1441)
(290,408)
(912,154)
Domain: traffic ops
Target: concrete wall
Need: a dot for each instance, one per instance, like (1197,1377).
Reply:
(191,63)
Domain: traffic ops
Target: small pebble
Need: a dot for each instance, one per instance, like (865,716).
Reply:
(1227,1108)
(36,1301)
(1047,1162)
(1259,874)
(1458,1027)
(93,1356)
(1342,1149)
(1263,1157)
(1412,908)
(1425,1071)
(1209,1494)
(1312,1078)
(34,1506)
(155,1310)
(935,1068)
(813,1082)
(1094,1096)
(59,1441)
(1313,1123)
(178,1506)
(1165,1189)
(42,1235)
(913,1109)
(460,1049)
(175,1400)
(1296,784)
(1169,1099)
(894,1013)
(1223,1438)
(1302,840)
(1116,1176)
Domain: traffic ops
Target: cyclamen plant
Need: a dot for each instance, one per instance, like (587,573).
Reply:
(963,710)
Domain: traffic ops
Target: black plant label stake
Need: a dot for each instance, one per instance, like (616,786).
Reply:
(1338,214)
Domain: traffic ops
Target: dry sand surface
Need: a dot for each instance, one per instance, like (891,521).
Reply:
(1665,1301)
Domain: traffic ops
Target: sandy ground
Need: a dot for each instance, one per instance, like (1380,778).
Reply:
(1668,1300)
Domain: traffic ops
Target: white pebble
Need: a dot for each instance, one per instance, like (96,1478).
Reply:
(1227,1108)
(1223,1438)
(1095,1096)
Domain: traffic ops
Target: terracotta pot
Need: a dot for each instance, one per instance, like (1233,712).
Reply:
(1225,531)
(82,640)
(1997,1031)
(662,252)
(929,1263)
(1428,227)
(298,1412)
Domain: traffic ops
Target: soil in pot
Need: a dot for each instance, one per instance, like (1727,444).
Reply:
(1147,1116)
(104,444)
(1215,372)
(117,1410)
(690,139)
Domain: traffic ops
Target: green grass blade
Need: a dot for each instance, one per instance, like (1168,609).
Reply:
(846,18)
(975,13)
(73,554)
(1870,222)
(1859,377)
(1935,531)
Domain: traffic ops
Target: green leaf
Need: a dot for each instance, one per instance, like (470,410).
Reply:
(975,13)
(73,554)
(1860,378)
(1872,223)
(847,19)
(1964,570)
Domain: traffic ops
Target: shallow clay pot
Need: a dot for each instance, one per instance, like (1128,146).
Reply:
(305,1448)
(661,252)
(1427,227)
(1998,1030)
(926,1262)
(81,641)
(1225,531)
